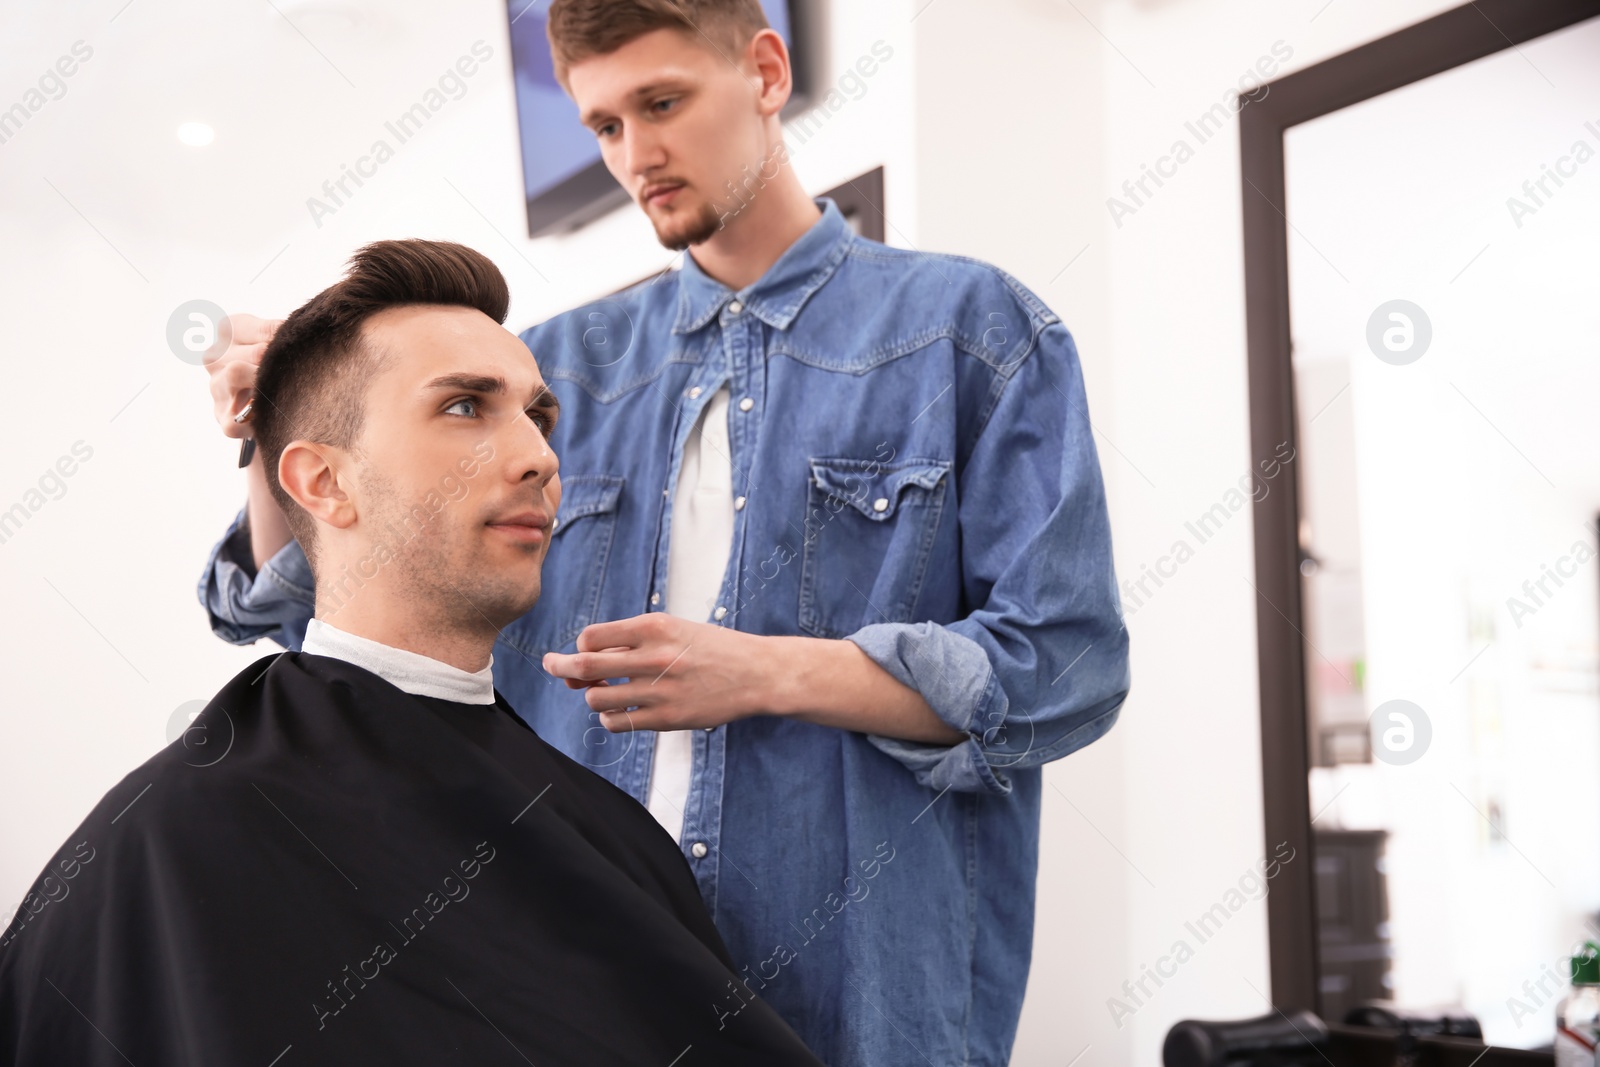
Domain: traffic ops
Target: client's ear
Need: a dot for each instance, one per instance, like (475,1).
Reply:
(312,476)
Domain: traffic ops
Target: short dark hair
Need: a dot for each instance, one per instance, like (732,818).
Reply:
(313,378)
(579,29)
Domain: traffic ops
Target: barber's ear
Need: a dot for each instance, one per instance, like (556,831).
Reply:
(311,474)
(773,76)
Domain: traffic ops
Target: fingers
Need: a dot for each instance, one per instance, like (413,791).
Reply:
(237,379)
(623,633)
(621,722)
(614,697)
(233,370)
(232,387)
(246,329)
(593,666)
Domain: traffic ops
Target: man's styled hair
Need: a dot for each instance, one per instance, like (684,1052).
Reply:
(313,379)
(581,29)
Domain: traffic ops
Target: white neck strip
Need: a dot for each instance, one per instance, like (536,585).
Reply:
(410,672)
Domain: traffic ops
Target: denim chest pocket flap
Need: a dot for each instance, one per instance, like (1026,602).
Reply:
(869,534)
(572,579)
(875,491)
(583,495)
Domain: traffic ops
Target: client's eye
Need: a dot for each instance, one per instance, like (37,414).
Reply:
(464,400)
(541,417)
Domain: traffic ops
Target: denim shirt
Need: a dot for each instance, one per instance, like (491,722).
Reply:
(915,472)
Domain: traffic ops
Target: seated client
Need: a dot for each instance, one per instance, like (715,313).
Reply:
(359,853)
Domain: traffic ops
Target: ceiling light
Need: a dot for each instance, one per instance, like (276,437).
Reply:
(196,134)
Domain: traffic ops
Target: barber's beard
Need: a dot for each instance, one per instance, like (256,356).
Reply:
(680,230)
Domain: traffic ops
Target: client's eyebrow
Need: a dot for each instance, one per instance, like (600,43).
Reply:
(493,384)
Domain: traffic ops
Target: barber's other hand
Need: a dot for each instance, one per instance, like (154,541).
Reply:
(681,675)
(233,371)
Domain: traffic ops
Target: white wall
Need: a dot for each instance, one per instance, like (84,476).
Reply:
(1004,127)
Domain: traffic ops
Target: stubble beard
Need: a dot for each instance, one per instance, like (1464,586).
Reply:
(679,233)
(438,570)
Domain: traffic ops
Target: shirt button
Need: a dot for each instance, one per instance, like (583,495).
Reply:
(554,523)
(694,392)
(738,503)
(720,613)
(735,307)
(746,404)
(698,850)
(880,504)
(663,492)
(655,598)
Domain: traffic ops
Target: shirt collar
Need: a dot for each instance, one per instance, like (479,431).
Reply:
(409,672)
(779,294)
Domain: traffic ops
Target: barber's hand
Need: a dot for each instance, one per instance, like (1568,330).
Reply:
(681,675)
(233,371)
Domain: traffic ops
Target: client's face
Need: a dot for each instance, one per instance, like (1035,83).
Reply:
(457,479)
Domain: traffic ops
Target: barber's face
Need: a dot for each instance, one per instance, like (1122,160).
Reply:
(456,475)
(677,121)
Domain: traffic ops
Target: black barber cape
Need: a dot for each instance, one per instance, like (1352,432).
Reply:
(328,870)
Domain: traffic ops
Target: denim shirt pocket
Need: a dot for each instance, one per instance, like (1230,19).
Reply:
(574,568)
(869,532)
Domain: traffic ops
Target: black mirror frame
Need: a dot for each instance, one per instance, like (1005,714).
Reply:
(1448,40)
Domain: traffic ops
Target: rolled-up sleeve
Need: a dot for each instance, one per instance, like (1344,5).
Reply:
(1040,669)
(243,605)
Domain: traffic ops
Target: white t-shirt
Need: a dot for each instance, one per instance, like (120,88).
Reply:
(698,546)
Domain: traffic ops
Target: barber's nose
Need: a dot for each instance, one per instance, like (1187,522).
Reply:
(642,151)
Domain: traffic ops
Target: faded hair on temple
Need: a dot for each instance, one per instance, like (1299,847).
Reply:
(314,374)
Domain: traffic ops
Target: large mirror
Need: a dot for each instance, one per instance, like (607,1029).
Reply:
(1443,328)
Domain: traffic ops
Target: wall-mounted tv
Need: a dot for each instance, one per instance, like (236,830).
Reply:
(566,183)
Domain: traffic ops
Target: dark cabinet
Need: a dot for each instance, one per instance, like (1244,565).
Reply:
(1352,920)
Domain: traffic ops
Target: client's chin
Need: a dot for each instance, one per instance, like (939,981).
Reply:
(510,601)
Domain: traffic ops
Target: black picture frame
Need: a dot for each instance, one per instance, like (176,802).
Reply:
(860,201)
(1455,37)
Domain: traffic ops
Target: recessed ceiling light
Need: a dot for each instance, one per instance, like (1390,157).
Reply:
(196,134)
